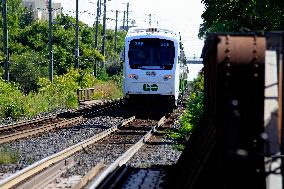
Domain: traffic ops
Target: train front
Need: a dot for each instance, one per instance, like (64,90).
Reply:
(151,74)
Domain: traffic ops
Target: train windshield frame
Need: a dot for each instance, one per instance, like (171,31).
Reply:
(151,52)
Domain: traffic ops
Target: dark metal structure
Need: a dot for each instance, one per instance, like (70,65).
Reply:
(225,151)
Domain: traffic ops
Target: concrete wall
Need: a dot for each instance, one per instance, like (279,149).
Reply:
(40,8)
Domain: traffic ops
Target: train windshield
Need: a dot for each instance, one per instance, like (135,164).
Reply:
(147,52)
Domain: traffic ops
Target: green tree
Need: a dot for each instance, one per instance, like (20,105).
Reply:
(29,90)
(64,45)
(34,36)
(27,18)
(28,47)
(15,10)
(26,69)
(241,15)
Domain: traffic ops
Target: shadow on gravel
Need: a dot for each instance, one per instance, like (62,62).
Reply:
(159,143)
(153,177)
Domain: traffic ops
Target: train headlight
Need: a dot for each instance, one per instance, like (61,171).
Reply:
(134,76)
(167,77)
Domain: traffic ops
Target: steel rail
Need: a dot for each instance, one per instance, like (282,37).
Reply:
(34,131)
(30,132)
(41,180)
(89,176)
(26,122)
(125,156)
(37,167)
(111,105)
(45,118)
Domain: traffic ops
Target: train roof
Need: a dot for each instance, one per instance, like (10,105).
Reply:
(147,32)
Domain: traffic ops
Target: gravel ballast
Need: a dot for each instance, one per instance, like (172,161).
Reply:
(36,148)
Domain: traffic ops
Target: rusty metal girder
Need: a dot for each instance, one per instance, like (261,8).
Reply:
(241,49)
(225,150)
(240,110)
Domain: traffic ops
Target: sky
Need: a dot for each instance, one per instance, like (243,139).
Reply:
(182,16)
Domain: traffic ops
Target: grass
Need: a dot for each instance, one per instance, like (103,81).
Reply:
(8,156)
(106,91)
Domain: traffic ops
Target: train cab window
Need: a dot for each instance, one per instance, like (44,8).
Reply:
(147,52)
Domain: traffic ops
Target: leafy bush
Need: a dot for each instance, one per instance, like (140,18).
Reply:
(61,93)
(118,81)
(102,74)
(114,68)
(193,112)
(11,100)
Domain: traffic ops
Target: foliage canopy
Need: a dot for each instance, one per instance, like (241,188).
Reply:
(29,91)
(241,16)
(28,46)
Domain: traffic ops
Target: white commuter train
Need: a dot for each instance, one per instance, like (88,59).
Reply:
(155,68)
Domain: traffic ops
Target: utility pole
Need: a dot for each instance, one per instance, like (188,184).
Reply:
(97,23)
(115,34)
(5,41)
(127,16)
(50,41)
(104,32)
(77,36)
(100,10)
(123,24)
(97,32)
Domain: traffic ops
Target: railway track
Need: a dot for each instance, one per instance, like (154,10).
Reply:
(41,153)
(125,135)
(33,127)
(39,120)
(36,130)
(150,166)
